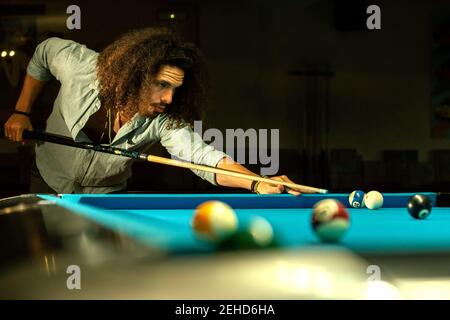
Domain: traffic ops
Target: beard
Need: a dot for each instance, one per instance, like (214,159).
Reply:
(150,111)
(147,114)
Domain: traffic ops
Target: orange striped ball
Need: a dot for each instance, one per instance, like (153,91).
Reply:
(214,221)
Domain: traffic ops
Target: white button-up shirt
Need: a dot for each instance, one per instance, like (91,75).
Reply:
(72,170)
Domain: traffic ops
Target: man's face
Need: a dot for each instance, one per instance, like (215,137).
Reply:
(156,96)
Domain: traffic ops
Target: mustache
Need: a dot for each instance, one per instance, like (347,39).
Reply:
(150,111)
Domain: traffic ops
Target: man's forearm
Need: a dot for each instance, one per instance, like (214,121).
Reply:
(30,90)
(229,181)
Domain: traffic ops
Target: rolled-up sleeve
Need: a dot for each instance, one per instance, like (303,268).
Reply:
(185,144)
(51,59)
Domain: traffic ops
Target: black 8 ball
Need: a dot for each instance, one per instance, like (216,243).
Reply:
(419,206)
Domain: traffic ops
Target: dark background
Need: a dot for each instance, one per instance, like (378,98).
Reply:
(353,106)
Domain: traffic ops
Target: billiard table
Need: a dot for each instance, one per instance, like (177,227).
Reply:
(142,246)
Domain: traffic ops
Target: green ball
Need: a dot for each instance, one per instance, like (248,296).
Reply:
(257,235)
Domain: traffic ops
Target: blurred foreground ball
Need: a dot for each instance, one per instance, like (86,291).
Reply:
(330,220)
(214,221)
(258,234)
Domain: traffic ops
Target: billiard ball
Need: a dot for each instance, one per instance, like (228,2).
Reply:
(330,220)
(214,221)
(356,199)
(258,234)
(373,200)
(262,231)
(419,206)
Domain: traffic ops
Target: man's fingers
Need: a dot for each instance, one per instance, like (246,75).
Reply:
(279,188)
(284,188)
(6,131)
(11,134)
(14,134)
(17,134)
(276,188)
(293,192)
(15,126)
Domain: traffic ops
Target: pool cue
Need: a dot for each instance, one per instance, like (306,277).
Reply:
(62,140)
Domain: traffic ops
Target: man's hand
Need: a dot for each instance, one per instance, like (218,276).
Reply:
(267,188)
(15,126)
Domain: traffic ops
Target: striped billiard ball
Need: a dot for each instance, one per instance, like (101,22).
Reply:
(330,220)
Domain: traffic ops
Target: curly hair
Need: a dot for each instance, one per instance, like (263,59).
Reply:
(134,60)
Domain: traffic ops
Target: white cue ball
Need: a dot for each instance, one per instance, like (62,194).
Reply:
(373,200)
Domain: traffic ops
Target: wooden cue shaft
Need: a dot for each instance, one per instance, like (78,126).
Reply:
(189,165)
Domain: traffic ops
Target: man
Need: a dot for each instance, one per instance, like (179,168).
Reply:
(147,86)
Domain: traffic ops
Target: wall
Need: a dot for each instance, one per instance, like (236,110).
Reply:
(380,95)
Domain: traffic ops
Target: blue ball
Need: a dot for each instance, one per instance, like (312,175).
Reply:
(356,199)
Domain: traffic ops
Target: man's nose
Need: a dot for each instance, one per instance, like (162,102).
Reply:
(167,96)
